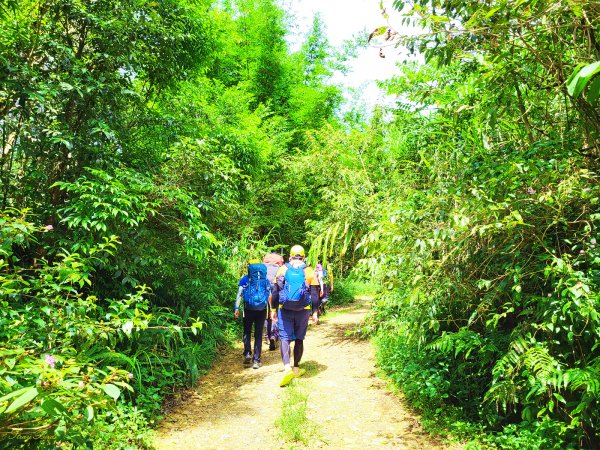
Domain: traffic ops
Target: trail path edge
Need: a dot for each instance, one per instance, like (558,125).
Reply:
(233,407)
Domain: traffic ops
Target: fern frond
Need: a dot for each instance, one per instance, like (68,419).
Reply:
(586,379)
(503,394)
(539,362)
(444,344)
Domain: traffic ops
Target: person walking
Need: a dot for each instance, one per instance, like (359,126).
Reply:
(255,289)
(326,285)
(273,261)
(316,290)
(292,307)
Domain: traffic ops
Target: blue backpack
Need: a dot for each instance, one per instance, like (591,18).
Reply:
(295,294)
(256,293)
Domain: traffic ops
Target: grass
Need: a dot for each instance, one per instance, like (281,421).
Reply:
(293,424)
(347,289)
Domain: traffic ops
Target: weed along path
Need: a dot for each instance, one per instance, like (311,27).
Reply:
(339,403)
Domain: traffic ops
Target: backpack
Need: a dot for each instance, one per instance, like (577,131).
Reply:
(295,295)
(273,258)
(256,292)
(271,271)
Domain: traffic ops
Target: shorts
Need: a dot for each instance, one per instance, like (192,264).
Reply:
(292,324)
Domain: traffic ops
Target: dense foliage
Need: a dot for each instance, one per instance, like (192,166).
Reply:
(139,141)
(150,148)
(486,236)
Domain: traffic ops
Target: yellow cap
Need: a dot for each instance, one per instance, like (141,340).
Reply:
(297,250)
(254,261)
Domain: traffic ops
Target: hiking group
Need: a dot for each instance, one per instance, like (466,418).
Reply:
(283,298)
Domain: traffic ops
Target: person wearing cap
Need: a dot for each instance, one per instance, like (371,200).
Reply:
(293,320)
(252,318)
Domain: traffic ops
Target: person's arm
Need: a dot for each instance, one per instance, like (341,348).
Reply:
(314,295)
(320,279)
(238,300)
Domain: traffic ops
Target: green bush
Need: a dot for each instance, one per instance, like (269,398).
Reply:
(59,376)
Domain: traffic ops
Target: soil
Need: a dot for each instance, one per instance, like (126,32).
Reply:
(234,407)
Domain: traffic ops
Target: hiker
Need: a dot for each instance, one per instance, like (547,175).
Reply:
(273,261)
(292,306)
(316,290)
(255,289)
(326,282)
(321,288)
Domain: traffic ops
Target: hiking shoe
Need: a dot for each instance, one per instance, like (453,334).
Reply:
(299,372)
(272,344)
(287,377)
(247,359)
(256,365)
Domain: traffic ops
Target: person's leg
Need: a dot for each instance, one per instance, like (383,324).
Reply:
(269,323)
(298,351)
(300,327)
(325,298)
(315,298)
(259,321)
(285,323)
(285,352)
(270,332)
(247,336)
(300,323)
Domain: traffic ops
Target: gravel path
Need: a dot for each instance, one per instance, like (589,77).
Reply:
(235,407)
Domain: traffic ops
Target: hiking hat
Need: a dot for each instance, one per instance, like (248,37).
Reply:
(297,250)
(254,261)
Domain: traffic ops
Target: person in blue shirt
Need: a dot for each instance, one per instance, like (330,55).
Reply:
(252,318)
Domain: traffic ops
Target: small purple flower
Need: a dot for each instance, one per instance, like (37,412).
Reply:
(130,376)
(581,252)
(81,384)
(50,360)
(48,228)
(530,190)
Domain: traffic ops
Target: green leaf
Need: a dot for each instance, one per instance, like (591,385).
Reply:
(112,390)
(124,385)
(13,394)
(580,77)
(54,408)
(559,397)
(377,32)
(438,19)
(89,413)
(590,70)
(593,91)
(28,394)
(66,86)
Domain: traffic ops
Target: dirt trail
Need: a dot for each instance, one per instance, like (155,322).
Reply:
(235,407)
